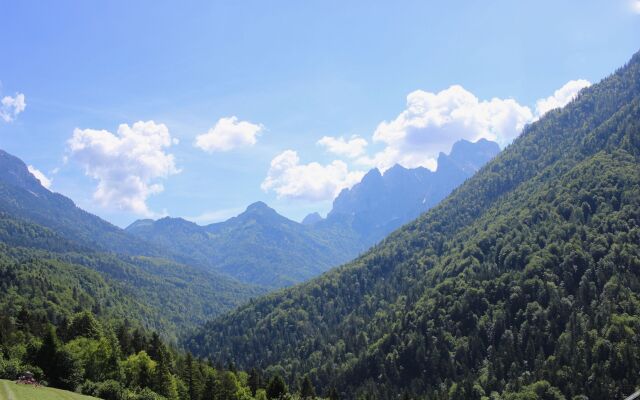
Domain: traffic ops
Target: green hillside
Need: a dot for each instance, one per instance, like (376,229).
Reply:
(258,247)
(98,322)
(42,271)
(12,391)
(524,283)
(121,275)
(22,196)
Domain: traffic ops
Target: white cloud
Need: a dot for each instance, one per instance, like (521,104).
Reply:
(562,96)
(10,107)
(432,122)
(313,181)
(127,164)
(44,181)
(635,6)
(227,134)
(351,148)
(392,155)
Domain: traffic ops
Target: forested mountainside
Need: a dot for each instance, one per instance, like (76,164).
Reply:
(381,203)
(258,246)
(261,247)
(43,263)
(79,330)
(22,196)
(96,322)
(159,294)
(523,283)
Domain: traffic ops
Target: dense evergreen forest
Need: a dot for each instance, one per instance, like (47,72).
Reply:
(41,266)
(79,330)
(522,284)
(117,361)
(82,316)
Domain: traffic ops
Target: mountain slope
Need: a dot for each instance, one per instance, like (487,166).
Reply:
(525,279)
(158,293)
(380,203)
(22,196)
(45,233)
(258,246)
(292,251)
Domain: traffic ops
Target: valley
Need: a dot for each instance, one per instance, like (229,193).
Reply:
(318,201)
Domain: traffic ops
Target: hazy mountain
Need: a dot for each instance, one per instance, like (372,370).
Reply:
(524,283)
(311,219)
(381,203)
(258,246)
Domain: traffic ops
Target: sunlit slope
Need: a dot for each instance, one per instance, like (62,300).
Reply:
(525,279)
(12,391)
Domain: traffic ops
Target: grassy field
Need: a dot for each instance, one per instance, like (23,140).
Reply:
(11,391)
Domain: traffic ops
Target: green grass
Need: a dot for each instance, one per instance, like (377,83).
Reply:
(11,391)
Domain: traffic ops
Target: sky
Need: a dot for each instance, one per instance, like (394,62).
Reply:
(195,109)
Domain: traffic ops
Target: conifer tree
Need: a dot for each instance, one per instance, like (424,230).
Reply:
(307,390)
(276,388)
(255,381)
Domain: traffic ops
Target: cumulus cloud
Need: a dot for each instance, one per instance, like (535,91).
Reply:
(127,165)
(432,122)
(561,97)
(314,181)
(227,134)
(635,6)
(10,107)
(44,181)
(351,148)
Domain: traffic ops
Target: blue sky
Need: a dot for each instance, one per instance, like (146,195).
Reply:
(277,77)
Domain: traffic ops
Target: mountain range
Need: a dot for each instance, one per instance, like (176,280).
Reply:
(261,247)
(381,203)
(36,224)
(170,274)
(524,283)
(201,271)
(22,196)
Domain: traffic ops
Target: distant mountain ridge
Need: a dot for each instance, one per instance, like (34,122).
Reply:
(22,195)
(261,247)
(381,203)
(37,224)
(311,219)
